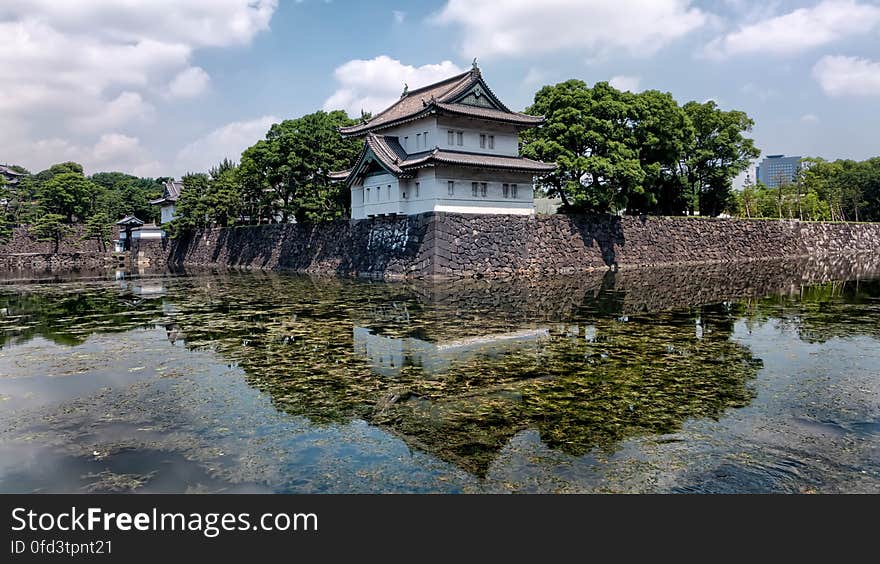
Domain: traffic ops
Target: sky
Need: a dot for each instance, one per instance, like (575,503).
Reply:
(165,87)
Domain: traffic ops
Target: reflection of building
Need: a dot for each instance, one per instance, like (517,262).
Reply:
(168,201)
(778,169)
(452,146)
(388,355)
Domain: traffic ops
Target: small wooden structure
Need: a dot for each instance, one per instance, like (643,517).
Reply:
(126,225)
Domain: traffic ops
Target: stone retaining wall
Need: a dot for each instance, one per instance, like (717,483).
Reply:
(441,245)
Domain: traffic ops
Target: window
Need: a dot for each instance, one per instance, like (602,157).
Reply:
(505,189)
(450,187)
(368,194)
(417,189)
(450,137)
(474,186)
(482,140)
(418,140)
(459,137)
(389,191)
(513,191)
(362,196)
(425,139)
(491,141)
(483,189)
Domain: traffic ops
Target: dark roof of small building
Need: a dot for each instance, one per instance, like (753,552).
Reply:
(442,97)
(170,192)
(12,176)
(391,156)
(130,220)
(10,171)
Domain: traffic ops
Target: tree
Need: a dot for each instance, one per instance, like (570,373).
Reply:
(285,175)
(749,199)
(99,228)
(719,152)
(67,194)
(192,210)
(50,227)
(123,194)
(588,134)
(223,195)
(662,133)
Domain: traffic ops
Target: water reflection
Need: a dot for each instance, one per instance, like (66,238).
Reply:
(459,371)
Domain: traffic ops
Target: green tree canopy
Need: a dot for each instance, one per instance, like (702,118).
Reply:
(68,194)
(50,227)
(588,134)
(639,153)
(285,175)
(718,153)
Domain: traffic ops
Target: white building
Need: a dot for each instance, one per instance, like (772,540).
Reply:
(447,147)
(170,195)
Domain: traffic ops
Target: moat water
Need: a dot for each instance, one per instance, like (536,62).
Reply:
(759,377)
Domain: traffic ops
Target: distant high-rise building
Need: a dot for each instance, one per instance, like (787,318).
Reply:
(776,169)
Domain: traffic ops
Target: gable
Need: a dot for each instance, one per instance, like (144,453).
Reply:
(478,96)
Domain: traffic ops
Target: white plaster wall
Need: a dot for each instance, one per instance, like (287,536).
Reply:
(506,136)
(379,195)
(411,129)
(167,213)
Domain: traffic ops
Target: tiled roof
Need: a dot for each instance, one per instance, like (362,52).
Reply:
(440,97)
(490,161)
(490,113)
(130,220)
(391,155)
(170,193)
(9,171)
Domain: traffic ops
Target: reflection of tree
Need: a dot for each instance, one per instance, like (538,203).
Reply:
(823,312)
(68,317)
(629,378)
(586,386)
(604,370)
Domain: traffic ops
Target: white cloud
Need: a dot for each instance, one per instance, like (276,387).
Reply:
(799,30)
(759,92)
(87,67)
(809,118)
(399,16)
(534,77)
(372,85)
(188,83)
(848,76)
(624,82)
(524,27)
(227,141)
(112,151)
(125,108)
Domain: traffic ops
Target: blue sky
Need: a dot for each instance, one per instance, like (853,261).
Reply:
(162,87)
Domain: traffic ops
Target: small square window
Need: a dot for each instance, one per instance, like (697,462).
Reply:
(491,141)
(483,189)
(474,187)
(450,187)
(482,140)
